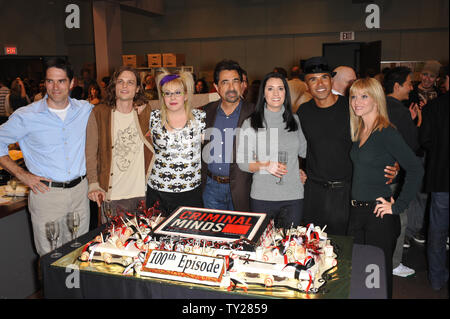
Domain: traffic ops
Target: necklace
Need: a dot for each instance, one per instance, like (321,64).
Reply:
(174,128)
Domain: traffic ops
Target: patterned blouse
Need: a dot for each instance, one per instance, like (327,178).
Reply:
(177,165)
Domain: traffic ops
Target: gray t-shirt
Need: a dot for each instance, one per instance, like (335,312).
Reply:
(263,145)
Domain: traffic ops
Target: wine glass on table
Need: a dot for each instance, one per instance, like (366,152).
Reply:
(52,232)
(283,159)
(13,184)
(73,221)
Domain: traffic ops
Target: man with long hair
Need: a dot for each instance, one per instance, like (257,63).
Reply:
(119,152)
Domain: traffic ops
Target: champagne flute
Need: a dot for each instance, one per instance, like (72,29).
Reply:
(13,184)
(283,159)
(73,221)
(52,232)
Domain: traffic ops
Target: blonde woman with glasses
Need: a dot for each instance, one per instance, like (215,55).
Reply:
(177,132)
(374,215)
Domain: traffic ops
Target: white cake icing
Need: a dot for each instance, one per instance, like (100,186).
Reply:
(121,244)
(295,258)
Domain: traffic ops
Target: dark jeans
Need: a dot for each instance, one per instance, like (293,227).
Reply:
(327,206)
(398,252)
(217,195)
(416,215)
(367,229)
(437,237)
(170,201)
(285,212)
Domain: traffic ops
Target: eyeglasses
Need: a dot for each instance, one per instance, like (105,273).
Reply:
(170,94)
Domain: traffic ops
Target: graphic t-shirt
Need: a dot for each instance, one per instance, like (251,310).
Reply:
(128,179)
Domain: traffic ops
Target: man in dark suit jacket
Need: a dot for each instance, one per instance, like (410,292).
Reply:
(225,186)
(434,137)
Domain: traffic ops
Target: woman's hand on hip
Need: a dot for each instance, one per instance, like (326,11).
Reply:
(384,207)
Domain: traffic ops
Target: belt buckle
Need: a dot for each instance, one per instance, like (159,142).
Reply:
(335,184)
(330,184)
(69,183)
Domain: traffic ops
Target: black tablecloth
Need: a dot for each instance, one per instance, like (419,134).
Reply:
(368,280)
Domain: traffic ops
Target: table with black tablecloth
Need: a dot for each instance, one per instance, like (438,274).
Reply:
(364,277)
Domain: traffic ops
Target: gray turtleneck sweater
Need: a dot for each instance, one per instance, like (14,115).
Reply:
(263,145)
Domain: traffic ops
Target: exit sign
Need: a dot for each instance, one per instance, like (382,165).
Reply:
(10,50)
(347,36)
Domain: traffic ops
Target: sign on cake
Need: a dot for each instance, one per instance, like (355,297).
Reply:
(172,264)
(212,224)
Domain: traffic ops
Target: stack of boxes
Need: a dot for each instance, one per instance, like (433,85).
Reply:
(172,59)
(135,61)
(154,60)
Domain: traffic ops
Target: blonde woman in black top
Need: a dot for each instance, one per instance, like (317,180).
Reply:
(374,218)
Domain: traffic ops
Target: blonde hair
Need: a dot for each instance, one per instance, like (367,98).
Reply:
(374,89)
(186,81)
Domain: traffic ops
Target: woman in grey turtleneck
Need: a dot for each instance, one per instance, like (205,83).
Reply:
(270,129)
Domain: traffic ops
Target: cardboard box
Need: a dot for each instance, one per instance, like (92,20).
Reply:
(135,61)
(173,59)
(154,60)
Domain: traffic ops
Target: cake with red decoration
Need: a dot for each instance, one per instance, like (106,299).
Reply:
(216,248)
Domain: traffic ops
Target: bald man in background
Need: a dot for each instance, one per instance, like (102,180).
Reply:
(344,78)
(298,89)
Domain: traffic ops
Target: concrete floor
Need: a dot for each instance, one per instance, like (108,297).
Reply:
(416,286)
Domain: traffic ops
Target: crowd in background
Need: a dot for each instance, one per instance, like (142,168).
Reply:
(18,92)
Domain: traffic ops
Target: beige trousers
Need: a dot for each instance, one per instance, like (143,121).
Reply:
(54,206)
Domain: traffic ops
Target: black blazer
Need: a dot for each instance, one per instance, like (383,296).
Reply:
(434,135)
(240,182)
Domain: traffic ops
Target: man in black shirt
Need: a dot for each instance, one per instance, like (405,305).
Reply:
(325,123)
(397,85)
